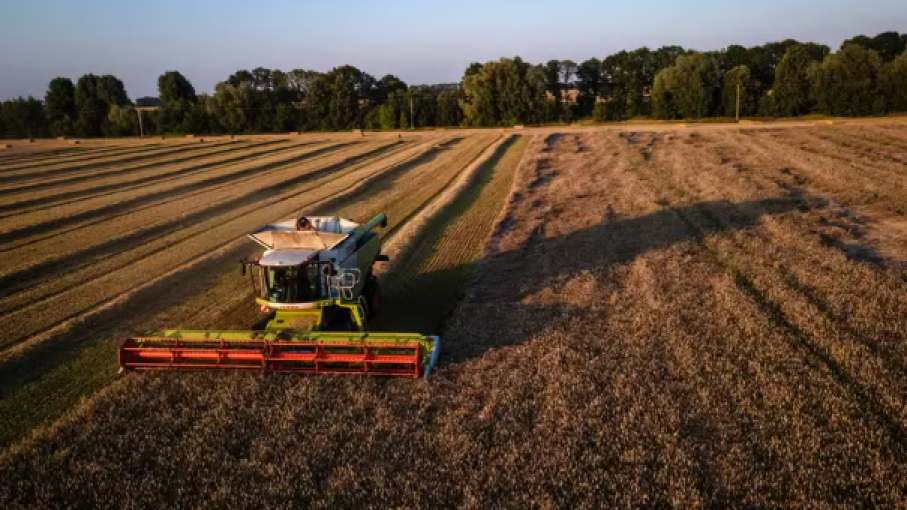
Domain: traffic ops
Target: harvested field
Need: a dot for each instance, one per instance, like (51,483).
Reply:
(693,318)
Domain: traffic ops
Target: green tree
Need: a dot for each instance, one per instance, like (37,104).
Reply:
(737,56)
(390,84)
(111,91)
(286,119)
(123,121)
(449,111)
(474,68)
(893,83)
(60,105)
(889,45)
(299,81)
(392,111)
(685,90)
(767,106)
(792,82)
(173,87)
(23,118)
(505,92)
(92,110)
(847,83)
(333,99)
(227,106)
(553,87)
(739,76)
(178,98)
(589,84)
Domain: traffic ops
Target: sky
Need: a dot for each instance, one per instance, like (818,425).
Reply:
(420,41)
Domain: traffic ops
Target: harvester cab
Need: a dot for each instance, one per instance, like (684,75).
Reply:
(316,277)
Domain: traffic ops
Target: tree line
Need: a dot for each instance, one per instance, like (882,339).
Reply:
(866,76)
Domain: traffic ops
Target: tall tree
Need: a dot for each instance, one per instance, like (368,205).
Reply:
(177,96)
(568,73)
(847,83)
(173,87)
(23,118)
(792,82)
(505,92)
(333,99)
(474,68)
(92,110)
(60,106)
(889,45)
(589,84)
(299,81)
(737,56)
(449,111)
(228,106)
(685,90)
(741,77)
(553,88)
(390,113)
(390,84)
(893,83)
(123,121)
(111,91)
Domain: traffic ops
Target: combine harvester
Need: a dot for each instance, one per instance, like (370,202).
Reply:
(316,274)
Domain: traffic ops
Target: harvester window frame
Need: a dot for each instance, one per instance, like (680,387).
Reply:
(310,282)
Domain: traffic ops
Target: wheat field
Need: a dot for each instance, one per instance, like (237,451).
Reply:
(645,316)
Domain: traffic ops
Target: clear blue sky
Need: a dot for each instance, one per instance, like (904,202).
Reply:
(421,41)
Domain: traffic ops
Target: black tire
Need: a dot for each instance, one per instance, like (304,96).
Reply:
(372,295)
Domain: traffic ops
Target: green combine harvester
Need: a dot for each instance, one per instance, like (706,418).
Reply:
(316,275)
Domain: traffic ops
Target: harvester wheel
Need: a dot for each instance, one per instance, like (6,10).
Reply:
(372,297)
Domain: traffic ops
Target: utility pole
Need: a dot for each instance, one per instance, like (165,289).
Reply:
(738,101)
(141,128)
(412,117)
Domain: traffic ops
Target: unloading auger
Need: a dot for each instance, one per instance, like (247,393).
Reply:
(316,275)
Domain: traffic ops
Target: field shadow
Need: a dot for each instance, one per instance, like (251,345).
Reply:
(155,198)
(426,301)
(54,200)
(385,181)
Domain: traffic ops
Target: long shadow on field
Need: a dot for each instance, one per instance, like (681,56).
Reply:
(53,200)
(58,153)
(425,301)
(189,154)
(81,154)
(156,198)
(137,154)
(385,181)
(503,280)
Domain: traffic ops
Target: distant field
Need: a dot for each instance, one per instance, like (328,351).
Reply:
(652,316)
